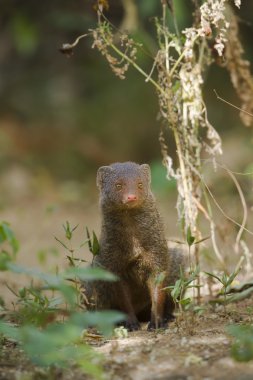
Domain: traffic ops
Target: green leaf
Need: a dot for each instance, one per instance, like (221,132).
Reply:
(89,239)
(69,293)
(59,241)
(5,259)
(193,275)
(175,293)
(48,278)
(201,240)
(104,320)
(224,279)
(185,301)
(242,348)
(214,276)
(6,234)
(95,244)
(240,296)
(61,344)
(22,292)
(89,274)
(233,276)
(190,239)
(84,243)
(68,232)
(199,309)
(9,330)
(71,261)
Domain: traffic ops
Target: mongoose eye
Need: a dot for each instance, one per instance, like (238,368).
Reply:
(140,185)
(118,186)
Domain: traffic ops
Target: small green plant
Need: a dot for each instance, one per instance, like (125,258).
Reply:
(46,337)
(242,348)
(93,243)
(61,344)
(73,260)
(9,246)
(185,303)
(178,290)
(190,241)
(226,281)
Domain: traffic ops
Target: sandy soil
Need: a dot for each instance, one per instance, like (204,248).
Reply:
(190,349)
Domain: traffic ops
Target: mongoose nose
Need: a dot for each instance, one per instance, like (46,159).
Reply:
(131,197)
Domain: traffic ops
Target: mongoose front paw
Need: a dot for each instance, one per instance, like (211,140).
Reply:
(132,325)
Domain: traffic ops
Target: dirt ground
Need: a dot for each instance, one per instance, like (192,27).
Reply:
(190,349)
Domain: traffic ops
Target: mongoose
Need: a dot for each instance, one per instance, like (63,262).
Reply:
(133,246)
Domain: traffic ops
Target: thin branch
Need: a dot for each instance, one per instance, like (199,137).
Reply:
(245,211)
(202,209)
(153,68)
(225,167)
(167,61)
(212,230)
(217,204)
(67,48)
(231,105)
(222,211)
(244,205)
(175,20)
(135,65)
(119,31)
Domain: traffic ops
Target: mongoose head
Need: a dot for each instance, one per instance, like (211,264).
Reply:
(124,185)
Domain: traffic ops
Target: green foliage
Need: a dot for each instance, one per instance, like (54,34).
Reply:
(60,344)
(50,325)
(92,242)
(189,237)
(69,230)
(7,237)
(6,234)
(226,280)
(182,284)
(192,239)
(242,348)
(90,274)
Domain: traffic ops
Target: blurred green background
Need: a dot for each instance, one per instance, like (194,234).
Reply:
(68,116)
(61,118)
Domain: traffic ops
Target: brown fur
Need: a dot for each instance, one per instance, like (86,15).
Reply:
(133,246)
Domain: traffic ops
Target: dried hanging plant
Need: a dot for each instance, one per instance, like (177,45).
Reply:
(177,74)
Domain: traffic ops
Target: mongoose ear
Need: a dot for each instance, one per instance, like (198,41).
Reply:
(146,170)
(101,174)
